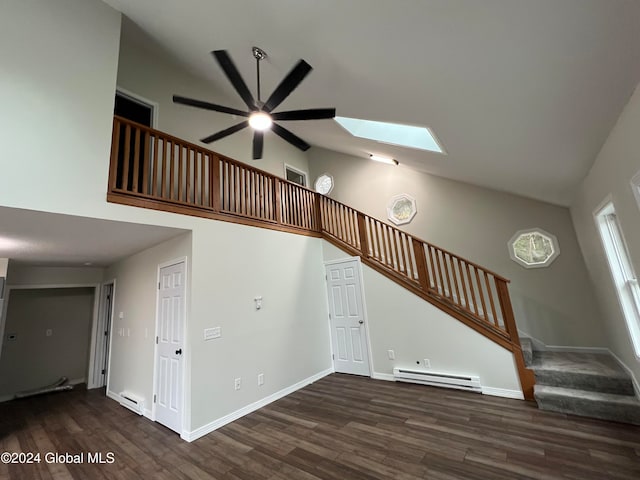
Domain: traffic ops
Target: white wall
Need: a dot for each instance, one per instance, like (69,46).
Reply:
(34,359)
(36,275)
(59,61)
(554,304)
(147,71)
(617,163)
(414,329)
(132,354)
(287,340)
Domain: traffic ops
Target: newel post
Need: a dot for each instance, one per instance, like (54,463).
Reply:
(215,182)
(115,146)
(276,195)
(527,378)
(362,231)
(421,264)
(318,211)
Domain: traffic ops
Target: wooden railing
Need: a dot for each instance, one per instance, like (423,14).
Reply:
(154,170)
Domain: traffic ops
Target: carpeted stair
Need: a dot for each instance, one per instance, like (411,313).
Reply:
(587,384)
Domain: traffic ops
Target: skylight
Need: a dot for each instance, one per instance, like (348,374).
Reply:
(393,133)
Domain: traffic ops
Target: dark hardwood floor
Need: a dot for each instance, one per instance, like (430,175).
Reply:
(341,427)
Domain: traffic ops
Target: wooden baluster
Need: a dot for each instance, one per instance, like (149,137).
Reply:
(490,295)
(214,190)
(463,285)
(421,264)
(172,171)
(439,286)
(317,214)
(156,178)
(163,180)
(277,206)
(481,295)
(474,302)
(362,234)
(199,158)
(127,153)
(455,280)
(180,172)
(136,161)
(145,164)
(115,151)
(188,185)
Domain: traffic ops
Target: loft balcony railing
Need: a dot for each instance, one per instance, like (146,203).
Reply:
(152,169)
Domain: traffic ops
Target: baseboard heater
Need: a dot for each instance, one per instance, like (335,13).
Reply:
(446,380)
(132,402)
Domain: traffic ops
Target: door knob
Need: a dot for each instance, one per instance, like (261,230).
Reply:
(360,322)
(179,352)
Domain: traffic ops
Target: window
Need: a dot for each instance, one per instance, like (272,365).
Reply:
(533,248)
(622,271)
(294,175)
(324,184)
(401,209)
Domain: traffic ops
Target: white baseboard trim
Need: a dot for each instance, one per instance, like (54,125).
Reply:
(502,392)
(75,381)
(566,348)
(383,376)
(220,422)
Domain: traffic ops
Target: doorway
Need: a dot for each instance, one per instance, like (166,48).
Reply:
(102,338)
(137,109)
(169,363)
(349,334)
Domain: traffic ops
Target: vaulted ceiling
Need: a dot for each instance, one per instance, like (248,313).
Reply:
(521,93)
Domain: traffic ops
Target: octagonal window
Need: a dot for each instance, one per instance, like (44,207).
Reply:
(533,248)
(324,184)
(401,209)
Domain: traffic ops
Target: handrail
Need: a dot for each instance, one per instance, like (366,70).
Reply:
(156,170)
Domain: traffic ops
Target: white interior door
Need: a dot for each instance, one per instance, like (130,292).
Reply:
(348,334)
(169,354)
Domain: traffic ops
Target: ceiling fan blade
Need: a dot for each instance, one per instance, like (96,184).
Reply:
(310,114)
(226,132)
(229,68)
(290,137)
(258,143)
(208,106)
(288,84)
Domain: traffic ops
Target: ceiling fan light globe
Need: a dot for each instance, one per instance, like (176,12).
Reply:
(260,121)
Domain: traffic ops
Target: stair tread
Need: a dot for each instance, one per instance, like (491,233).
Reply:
(548,390)
(582,363)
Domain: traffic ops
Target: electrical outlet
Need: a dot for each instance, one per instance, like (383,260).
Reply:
(238,383)
(392,354)
(260,379)
(427,363)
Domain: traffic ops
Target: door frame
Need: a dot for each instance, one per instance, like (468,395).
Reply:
(134,97)
(185,347)
(364,309)
(101,321)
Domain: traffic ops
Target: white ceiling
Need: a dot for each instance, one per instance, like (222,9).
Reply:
(521,93)
(49,239)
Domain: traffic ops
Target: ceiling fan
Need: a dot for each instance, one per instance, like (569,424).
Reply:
(260,114)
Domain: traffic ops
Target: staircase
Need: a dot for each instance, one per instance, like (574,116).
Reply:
(152,169)
(587,384)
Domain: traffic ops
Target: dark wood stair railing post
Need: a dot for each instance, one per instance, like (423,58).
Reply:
(362,232)
(421,264)
(278,200)
(527,378)
(317,225)
(215,182)
(115,150)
